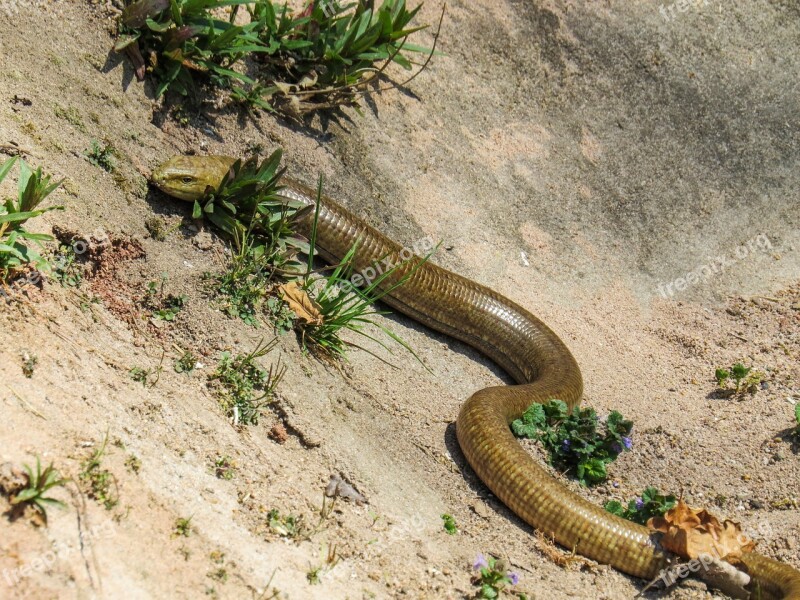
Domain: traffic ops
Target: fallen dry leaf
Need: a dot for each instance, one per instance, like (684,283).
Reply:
(691,532)
(301,303)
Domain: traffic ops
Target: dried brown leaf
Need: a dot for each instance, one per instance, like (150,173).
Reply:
(691,532)
(302,305)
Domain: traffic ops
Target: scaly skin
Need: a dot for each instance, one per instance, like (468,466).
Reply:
(517,341)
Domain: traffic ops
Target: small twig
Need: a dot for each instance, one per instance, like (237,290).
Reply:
(25,404)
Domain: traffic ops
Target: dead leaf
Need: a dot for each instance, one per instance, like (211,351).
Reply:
(308,311)
(691,532)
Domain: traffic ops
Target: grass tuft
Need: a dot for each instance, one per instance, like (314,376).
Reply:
(271,58)
(243,387)
(39,483)
(101,483)
(17,243)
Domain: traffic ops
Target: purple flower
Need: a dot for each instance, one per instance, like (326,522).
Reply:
(565,445)
(628,442)
(513,578)
(639,504)
(480,562)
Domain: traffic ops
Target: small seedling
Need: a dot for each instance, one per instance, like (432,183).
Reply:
(572,440)
(494,578)
(133,463)
(225,468)
(100,481)
(244,387)
(171,306)
(288,526)
(797,420)
(183,527)
(744,380)
(639,510)
(281,315)
(313,575)
(16,243)
(101,156)
(163,307)
(449,524)
(39,483)
(28,364)
(186,363)
(65,267)
(142,376)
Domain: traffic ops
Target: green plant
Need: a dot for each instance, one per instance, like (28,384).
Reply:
(281,314)
(243,386)
(797,420)
(101,156)
(164,307)
(39,483)
(225,467)
(65,266)
(246,281)
(286,525)
(100,481)
(322,57)
(171,306)
(16,243)
(650,504)
(338,304)
(449,524)
(573,441)
(133,463)
(183,527)
(744,379)
(494,578)
(142,376)
(28,364)
(186,363)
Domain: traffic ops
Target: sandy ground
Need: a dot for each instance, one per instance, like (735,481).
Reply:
(630,176)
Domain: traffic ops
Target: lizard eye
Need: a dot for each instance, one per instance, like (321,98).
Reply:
(187,179)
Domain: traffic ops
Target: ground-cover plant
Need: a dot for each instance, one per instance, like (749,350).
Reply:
(287,525)
(101,156)
(449,524)
(494,579)
(66,269)
(244,387)
(40,482)
(573,440)
(796,433)
(164,307)
(17,244)
(245,207)
(738,380)
(650,504)
(101,485)
(330,304)
(186,363)
(272,58)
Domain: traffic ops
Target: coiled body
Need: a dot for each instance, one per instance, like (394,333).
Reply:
(521,344)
